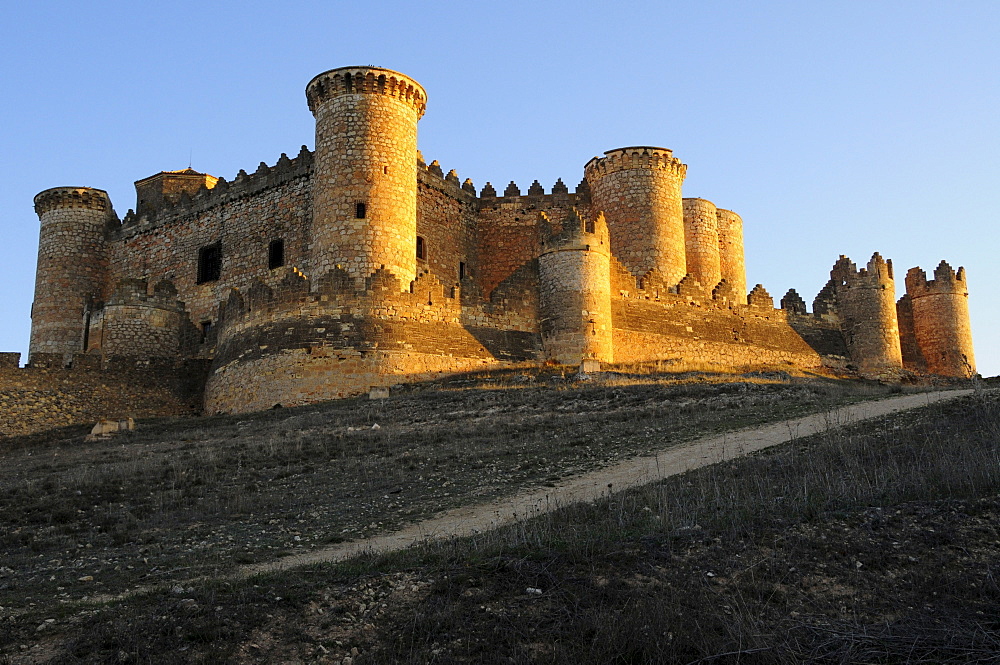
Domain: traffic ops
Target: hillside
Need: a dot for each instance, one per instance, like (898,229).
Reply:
(877,537)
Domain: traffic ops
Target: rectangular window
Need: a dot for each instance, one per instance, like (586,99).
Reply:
(359,210)
(421,248)
(461,270)
(206,331)
(276,254)
(209,263)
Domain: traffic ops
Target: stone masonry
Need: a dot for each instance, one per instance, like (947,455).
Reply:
(360,265)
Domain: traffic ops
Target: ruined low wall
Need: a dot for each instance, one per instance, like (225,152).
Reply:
(48,394)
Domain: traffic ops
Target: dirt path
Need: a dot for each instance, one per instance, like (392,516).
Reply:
(590,486)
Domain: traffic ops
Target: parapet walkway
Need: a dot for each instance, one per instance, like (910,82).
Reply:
(594,485)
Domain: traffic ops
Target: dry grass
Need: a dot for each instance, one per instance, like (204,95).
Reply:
(618,578)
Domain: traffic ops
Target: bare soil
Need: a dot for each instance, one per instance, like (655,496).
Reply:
(177,509)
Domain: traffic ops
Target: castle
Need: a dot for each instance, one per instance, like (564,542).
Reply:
(358,265)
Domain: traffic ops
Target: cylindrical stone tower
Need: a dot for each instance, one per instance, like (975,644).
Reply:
(575,286)
(72,266)
(365,177)
(731,262)
(701,242)
(866,300)
(639,191)
(941,320)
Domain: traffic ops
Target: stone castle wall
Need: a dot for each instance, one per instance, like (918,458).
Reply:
(708,328)
(446,224)
(360,265)
(913,359)
(293,342)
(49,394)
(139,324)
(242,218)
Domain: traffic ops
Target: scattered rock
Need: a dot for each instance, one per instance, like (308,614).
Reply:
(105,429)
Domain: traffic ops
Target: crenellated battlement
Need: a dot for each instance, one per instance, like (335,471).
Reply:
(290,289)
(876,274)
(946,281)
(433,176)
(793,302)
(367,81)
(559,195)
(577,233)
(634,157)
(244,185)
(759,297)
(878,270)
(72,197)
(133,292)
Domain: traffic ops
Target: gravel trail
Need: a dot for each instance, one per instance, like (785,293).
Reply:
(593,485)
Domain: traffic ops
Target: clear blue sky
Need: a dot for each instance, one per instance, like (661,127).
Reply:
(833,128)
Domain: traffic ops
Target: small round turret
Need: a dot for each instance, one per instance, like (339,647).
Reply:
(866,300)
(639,191)
(731,260)
(575,289)
(72,266)
(365,178)
(701,241)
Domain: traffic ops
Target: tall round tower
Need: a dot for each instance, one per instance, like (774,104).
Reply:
(639,191)
(701,241)
(574,271)
(941,320)
(731,259)
(72,266)
(365,173)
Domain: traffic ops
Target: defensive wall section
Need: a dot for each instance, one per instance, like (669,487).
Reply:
(359,265)
(55,390)
(281,343)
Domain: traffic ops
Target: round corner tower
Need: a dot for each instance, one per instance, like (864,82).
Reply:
(941,320)
(365,179)
(72,266)
(639,190)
